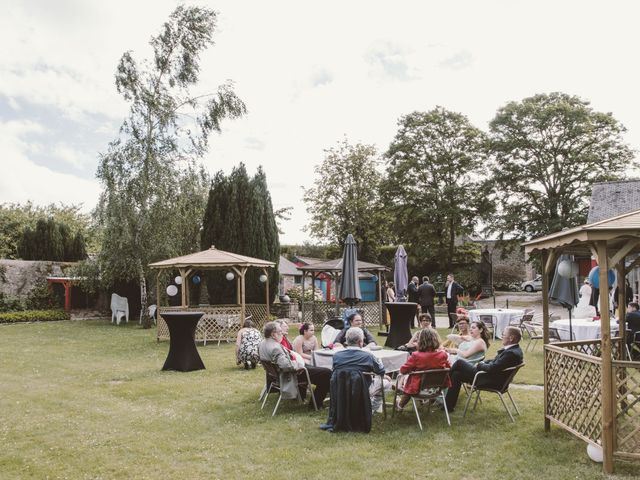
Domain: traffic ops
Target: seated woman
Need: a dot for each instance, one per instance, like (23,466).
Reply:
(429,356)
(247,343)
(474,349)
(412,345)
(305,343)
(453,340)
(355,321)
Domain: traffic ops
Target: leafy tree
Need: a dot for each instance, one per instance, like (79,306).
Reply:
(239,218)
(345,198)
(149,209)
(434,190)
(51,240)
(548,150)
(15,218)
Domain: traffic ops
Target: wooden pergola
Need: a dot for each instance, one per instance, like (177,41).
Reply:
(607,415)
(333,268)
(214,259)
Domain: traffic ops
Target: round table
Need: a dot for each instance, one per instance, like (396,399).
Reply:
(391,359)
(183,355)
(504,316)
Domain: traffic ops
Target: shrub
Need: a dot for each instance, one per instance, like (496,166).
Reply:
(34,316)
(9,303)
(40,297)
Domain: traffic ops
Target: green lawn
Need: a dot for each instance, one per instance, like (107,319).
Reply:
(88,400)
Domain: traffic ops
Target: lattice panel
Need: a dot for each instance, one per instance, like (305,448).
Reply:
(325,310)
(592,347)
(627,378)
(573,395)
(220,323)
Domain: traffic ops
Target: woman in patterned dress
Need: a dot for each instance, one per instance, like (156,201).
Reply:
(247,343)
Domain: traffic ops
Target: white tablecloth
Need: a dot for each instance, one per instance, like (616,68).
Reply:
(504,316)
(391,359)
(583,329)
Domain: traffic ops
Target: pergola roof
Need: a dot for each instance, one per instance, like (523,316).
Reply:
(336,266)
(617,232)
(212,258)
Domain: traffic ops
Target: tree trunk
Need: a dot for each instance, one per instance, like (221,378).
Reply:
(145,319)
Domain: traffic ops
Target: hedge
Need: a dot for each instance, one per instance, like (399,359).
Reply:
(34,316)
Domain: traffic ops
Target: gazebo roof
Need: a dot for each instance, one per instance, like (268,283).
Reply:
(617,231)
(212,258)
(336,266)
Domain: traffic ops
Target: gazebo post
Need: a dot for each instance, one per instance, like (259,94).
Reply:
(380,273)
(607,368)
(238,287)
(544,257)
(622,302)
(304,273)
(243,271)
(313,297)
(158,290)
(267,292)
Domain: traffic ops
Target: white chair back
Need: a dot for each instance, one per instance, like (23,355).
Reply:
(119,308)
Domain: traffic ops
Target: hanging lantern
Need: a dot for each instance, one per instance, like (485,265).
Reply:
(172,290)
(568,269)
(263,278)
(230,276)
(374,278)
(195,279)
(178,280)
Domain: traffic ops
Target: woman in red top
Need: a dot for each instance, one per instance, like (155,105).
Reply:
(428,357)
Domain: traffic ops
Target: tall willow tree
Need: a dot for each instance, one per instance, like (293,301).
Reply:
(239,218)
(153,196)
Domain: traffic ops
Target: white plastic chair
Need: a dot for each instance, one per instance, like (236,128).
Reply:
(119,308)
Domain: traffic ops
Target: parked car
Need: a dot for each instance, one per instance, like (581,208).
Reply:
(534,285)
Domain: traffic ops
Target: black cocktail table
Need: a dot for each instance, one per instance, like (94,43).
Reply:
(401,314)
(183,355)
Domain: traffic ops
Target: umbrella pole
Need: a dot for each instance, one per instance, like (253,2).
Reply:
(570,327)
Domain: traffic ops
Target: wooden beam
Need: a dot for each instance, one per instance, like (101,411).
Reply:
(183,293)
(266,284)
(545,331)
(622,302)
(243,271)
(548,265)
(607,367)
(623,251)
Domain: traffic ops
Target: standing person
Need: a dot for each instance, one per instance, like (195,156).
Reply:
(391,293)
(414,295)
(426,294)
(633,325)
(453,290)
(585,293)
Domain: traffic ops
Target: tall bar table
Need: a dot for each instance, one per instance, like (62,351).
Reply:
(183,355)
(402,314)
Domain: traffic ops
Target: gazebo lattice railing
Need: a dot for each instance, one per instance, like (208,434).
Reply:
(318,312)
(627,425)
(220,323)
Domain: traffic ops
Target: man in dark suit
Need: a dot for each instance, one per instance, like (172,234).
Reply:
(453,289)
(463,372)
(414,295)
(633,324)
(426,294)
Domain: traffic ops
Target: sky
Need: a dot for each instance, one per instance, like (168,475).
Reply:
(310,73)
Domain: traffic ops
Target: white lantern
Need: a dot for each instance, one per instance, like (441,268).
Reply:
(286,299)
(172,290)
(568,269)
(230,276)
(263,278)
(178,280)
(594,452)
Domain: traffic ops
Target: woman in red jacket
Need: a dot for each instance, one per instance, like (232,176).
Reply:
(428,357)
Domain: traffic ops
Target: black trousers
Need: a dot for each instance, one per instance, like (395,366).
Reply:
(431,310)
(321,378)
(451,308)
(461,372)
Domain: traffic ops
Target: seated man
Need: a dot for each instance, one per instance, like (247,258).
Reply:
(271,350)
(633,324)
(355,321)
(350,396)
(463,372)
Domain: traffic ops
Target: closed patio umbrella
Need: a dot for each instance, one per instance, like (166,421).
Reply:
(400,274)
(564,290)
(349,283)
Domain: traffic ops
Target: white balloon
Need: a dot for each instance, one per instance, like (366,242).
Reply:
(594,452)
(567,269)
(172,290)
(230,276)
(178,280)
(263,278)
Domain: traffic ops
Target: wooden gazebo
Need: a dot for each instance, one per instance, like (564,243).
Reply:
(219,321)
(333,268)
(591,388)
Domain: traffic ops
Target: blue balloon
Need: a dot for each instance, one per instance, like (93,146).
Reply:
(374,278)
(196,279)
(594,277)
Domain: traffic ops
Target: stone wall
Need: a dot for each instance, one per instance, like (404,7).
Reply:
(20,276)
